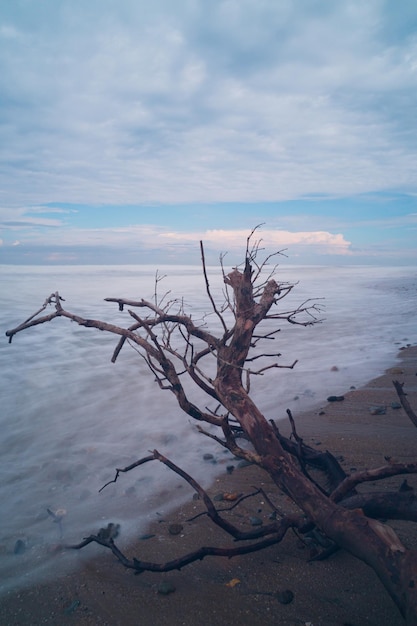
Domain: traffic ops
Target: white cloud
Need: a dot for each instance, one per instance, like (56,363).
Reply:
(154,238)
(19,222)
(220,101)
(224,240)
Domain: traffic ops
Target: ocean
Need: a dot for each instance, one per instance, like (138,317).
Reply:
(69,416)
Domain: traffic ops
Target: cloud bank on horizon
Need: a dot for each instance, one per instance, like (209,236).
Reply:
(130,130)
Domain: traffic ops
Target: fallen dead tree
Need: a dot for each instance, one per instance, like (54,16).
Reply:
(221,365)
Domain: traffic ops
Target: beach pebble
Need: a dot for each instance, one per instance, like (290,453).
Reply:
(378,410)
(335,398)
(255,521)
(208,457)
(285,597)
(175,529)
(231,497)
(165,588)
(395,405)
(230,469)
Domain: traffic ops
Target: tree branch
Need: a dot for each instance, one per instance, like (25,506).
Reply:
(404,402)
(394,469)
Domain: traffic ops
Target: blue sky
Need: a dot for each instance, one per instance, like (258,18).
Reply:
(129,130)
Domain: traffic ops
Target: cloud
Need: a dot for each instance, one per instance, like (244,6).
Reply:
(48,210)
(109,102)
(31,221)
(223,240)
(153,238)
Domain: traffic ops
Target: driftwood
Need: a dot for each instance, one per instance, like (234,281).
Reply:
(174,346)
(404,401)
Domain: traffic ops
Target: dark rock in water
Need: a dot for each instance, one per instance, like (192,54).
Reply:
(255,521)
(322,412)
(230,469)
(335,398)
(165,588)
(19,547)
(208,457)
(175,529)
(378,410)
(285,597)
(352,387)
(395,405)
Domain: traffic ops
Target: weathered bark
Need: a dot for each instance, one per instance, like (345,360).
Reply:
(385,505)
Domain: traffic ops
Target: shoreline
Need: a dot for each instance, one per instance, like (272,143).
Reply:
(340,590)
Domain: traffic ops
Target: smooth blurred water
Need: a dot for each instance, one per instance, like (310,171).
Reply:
(69,416)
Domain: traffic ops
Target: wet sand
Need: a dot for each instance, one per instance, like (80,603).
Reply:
(338,591)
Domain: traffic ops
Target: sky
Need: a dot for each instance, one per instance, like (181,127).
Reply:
(130,130)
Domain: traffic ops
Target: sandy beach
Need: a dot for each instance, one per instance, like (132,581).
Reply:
(336,592)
